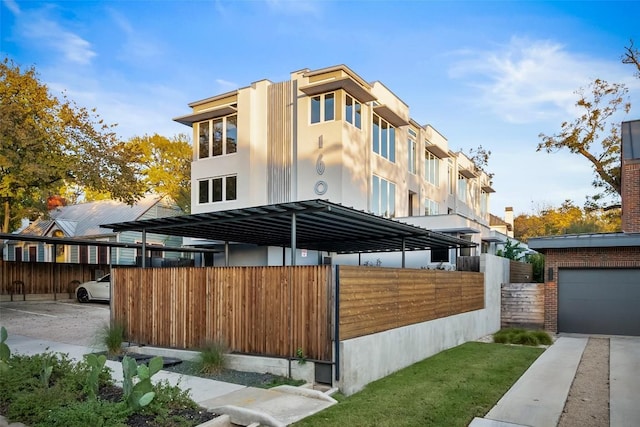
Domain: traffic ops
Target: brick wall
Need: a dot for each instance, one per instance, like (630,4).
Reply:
(620,257)
(631,195)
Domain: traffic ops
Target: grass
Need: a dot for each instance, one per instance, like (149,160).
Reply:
(211,357)
(448,389)
(522,336)
(112,336)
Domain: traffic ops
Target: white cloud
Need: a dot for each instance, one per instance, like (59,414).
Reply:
(35,25)
(12,6)
(226,86)
(528,81)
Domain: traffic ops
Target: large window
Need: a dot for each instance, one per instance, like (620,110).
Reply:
(353,112)
(484,202)
(217,189)
(431,207)
(411,149)
(432,169)
(384,138)
(383,198)
(218,137)
(462,188)
(323,108)
(451,177)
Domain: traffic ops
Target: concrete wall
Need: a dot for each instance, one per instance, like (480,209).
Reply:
(366,359)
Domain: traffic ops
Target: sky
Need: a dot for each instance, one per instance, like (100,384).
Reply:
(489,73)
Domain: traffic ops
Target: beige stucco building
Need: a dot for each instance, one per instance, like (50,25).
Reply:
(329,134)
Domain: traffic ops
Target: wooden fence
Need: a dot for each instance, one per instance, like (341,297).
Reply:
(523,305)
(29,278)
(520,272)
(269,311)
(378,299)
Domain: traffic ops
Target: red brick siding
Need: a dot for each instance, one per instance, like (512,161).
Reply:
(581,258)
(631,196)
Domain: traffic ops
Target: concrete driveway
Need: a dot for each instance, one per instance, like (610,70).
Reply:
(62,321)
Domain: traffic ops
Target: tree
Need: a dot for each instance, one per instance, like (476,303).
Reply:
(632,56)
(511,251)
(480,157)
(565,219)
(591,136)
(165,166)
(47,143)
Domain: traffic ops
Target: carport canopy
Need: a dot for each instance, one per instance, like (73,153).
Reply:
(311,224)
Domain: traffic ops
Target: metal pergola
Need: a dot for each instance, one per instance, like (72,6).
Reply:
(311,224)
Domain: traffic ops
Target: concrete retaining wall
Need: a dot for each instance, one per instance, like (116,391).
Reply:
(371,357)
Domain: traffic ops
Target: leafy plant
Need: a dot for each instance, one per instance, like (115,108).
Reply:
(211,358)
(537,262)
(47,370)
(112,336)
(5,351)
(511,250)
(96,364)
(302,358)
(138,394)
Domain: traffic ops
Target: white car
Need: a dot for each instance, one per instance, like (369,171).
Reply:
(95,290)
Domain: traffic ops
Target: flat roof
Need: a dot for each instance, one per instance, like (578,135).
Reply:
(596,240)
(319,225)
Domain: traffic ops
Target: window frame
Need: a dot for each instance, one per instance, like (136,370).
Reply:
(224,142)
(432,169)
(462,188)
(353,112)
(322,114)
(383,140)
(383,197)
(210,183)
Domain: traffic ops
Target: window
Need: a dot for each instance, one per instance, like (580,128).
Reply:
(484,202)
(383,200)
(440,255)
(451,178)
(432,169)
(413,167)
(323,108)
(430,207)
(18,254)
(353,112)
(384,138)
(462,188)
(217,189)
(218,137)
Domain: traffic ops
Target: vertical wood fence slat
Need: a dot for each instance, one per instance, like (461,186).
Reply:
(247,307)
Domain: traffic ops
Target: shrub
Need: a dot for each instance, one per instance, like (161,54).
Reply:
(522,337)
(211,357)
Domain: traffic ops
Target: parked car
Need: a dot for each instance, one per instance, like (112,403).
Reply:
(95,290)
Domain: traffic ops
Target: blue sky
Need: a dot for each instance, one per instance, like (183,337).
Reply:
(494,74)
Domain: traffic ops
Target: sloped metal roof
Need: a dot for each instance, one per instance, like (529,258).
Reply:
(319,225)
(84,220)
(594,240)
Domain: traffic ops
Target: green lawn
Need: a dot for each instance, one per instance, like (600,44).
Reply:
(448,389)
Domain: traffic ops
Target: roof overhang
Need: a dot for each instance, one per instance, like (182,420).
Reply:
(495,237)
(437,151)
(213,113)
(359,92)
(319,225)
(389,115)
(488,189)
(467,173)
(600,240)
(459,230)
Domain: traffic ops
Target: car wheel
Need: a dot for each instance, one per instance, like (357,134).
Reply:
(82,295)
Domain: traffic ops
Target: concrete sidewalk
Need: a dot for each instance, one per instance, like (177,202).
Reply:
(279,406)
(538,397)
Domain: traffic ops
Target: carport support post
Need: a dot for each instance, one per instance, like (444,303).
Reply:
(226,254)
(403,251)
(144,248)
(56,275)
(293,238)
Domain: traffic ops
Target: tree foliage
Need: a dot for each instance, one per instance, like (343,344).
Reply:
(565,219)
(48,143)
(511,250)
(591,135)
(480,157)
(165,165)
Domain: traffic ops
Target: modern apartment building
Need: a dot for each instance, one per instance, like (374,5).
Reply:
(329,134)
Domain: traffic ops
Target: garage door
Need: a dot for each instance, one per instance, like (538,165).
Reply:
(599,301)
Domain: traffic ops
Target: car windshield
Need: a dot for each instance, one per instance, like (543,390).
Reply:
(106,278)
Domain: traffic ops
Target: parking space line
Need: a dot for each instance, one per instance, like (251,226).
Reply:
(30,312)
(70,304)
